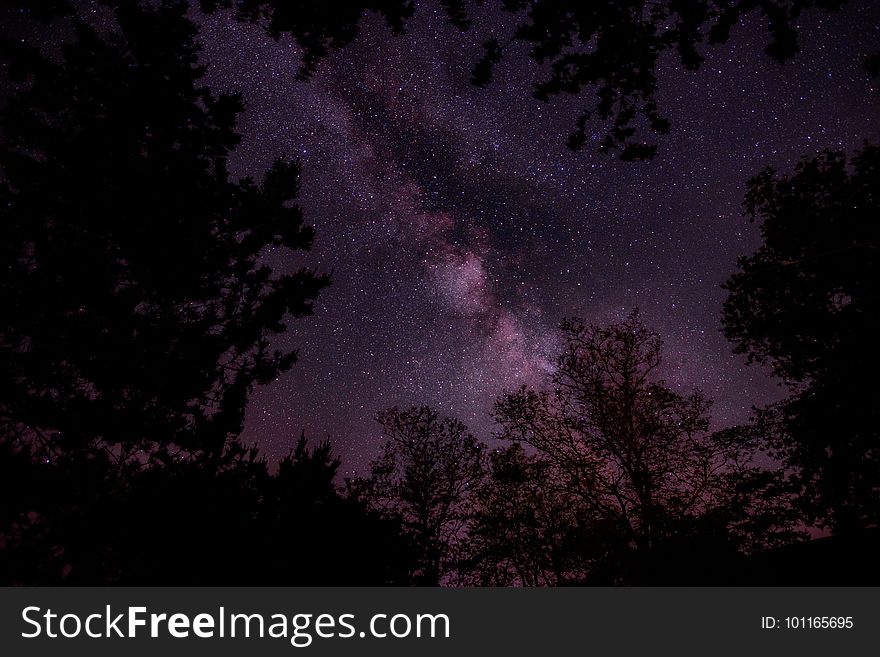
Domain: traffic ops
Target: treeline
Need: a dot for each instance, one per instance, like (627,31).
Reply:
(138,315)
(605,476)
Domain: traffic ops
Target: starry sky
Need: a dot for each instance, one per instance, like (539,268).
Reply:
(460,230)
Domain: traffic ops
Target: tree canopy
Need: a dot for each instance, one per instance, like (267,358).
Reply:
(612,48)
(141,318)
(424,476)
(143,312)
(615,49)
(807,303)
(525,528)
(638,456)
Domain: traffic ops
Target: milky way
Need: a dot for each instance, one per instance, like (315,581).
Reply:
(460,230)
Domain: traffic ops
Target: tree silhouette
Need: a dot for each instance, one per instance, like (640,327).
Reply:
(336,537)
(611,47)
(424,475)
(526,530)
(143,315)
(317,27)
(184,524)
(614,48)
(142,311)
(638,455)
(807,303)
(142,319)
(247,526)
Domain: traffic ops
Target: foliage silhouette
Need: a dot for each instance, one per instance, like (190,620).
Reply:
(613,47)
(142,320)
(184,524)
(143,314)
(525,529)
(424,475)
(807,304)
(317,27)
(638,456)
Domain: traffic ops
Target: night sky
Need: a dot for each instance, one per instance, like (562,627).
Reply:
(460,229)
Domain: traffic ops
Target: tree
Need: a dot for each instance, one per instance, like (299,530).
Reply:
(614,48)
(143,313)
(245,525)
(526,529)
(139,311)
(319,536)
(317,27)
(807,304)
(424,475)
(185,524)
(610,47)
(638,455)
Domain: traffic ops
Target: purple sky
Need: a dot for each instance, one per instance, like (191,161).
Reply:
(460,230)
